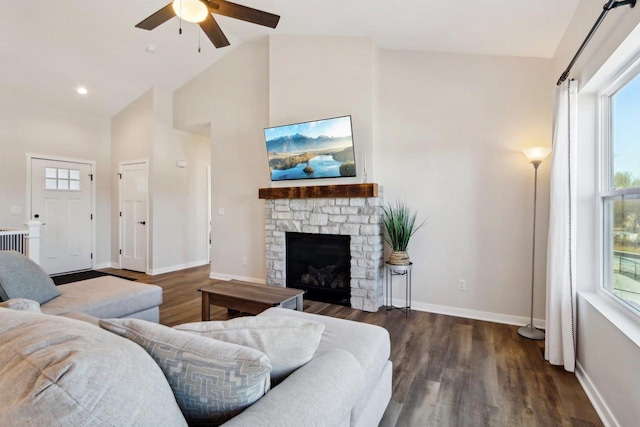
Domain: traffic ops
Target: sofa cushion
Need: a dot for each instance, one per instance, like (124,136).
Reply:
(82,317)
(104,297)
(212,380)
(319,394)
(21,304)
(62,372)
(370,344)
(288,342)
(22,278)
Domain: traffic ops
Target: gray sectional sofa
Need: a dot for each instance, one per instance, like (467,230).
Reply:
(65,370)
(107,297)
(102,297)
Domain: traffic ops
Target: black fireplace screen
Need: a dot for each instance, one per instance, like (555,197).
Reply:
(320,264)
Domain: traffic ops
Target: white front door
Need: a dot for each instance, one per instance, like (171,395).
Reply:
(61,199)
(133,212)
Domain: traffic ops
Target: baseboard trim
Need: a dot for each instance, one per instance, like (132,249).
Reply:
(177,267)
(605,414)
(471,314)
(221,276)
(105,265)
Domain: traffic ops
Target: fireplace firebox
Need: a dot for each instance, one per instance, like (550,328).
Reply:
(321,265)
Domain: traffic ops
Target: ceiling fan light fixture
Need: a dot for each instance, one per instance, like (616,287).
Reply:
(190,10)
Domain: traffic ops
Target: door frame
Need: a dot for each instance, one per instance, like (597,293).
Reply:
(209,218)
(92,163)
(120,236)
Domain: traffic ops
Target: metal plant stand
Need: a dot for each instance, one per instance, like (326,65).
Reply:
(392,270)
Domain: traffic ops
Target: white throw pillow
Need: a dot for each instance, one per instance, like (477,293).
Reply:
(212,380)
(22,304)
(288,342)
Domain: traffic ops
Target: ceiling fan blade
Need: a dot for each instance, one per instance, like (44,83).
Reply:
(213,31)
(244,13)
(160,17)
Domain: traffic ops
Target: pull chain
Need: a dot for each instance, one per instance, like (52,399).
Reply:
(180,18)
(199,49)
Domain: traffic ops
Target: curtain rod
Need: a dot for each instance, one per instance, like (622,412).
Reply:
(611,4)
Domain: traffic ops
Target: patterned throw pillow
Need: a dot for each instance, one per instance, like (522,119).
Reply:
(211,380)
(288,342)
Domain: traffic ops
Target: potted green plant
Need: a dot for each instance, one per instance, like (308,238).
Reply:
(400,224)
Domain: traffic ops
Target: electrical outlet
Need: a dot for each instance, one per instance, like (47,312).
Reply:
(462,285)
(244,260)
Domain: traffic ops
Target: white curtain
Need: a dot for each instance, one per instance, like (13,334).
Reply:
(561,249)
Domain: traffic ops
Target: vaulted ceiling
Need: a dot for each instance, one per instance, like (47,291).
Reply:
(48,48)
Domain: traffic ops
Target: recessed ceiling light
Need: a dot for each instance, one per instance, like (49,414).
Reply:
(82,90)
(151,49)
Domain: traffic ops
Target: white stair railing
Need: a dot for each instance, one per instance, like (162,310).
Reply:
(23,240)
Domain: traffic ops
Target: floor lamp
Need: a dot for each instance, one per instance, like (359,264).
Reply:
(535,155)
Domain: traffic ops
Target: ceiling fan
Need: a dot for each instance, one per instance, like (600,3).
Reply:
(200,12)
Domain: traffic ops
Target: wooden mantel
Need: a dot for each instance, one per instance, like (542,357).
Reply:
(322,191)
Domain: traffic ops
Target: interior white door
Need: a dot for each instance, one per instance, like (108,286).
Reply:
(61,199)
(134,192)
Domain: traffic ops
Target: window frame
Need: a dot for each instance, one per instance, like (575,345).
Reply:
(605,189)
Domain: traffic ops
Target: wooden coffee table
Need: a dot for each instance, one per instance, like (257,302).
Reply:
(247,297)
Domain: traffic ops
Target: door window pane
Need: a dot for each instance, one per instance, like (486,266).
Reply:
(62,179)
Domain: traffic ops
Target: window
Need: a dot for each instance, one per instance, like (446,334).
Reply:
(620,193)
(62,179)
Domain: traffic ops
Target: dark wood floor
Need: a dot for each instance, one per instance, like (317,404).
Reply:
(447,371)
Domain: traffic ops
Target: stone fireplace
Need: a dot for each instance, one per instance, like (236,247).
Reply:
(337,210)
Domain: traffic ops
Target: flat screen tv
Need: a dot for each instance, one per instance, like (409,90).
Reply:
(318,149)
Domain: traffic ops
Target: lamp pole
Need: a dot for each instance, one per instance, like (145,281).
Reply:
(529,331)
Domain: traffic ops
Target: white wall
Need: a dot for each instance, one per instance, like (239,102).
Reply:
(28,126)
(177,222)
(321,77)
(180,235)
(452,130)
(232,96)
(607,357)
(447,132)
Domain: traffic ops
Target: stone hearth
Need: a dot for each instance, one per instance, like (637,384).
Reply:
(358,217)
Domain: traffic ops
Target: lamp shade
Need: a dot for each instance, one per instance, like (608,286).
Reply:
(537,154)
(190,10)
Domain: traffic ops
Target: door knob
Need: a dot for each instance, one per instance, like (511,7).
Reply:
(142,222)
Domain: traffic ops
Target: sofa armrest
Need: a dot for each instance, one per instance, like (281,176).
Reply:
(320,393)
